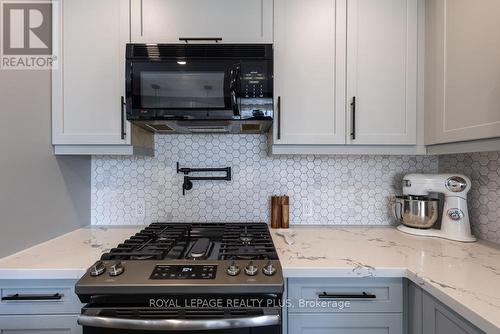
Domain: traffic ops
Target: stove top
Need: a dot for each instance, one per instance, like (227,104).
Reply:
(197,241)
(172,258)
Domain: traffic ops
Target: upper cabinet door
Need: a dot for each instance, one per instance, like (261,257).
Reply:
(309,52)
(235,21)
(87,88)
(382,40)
(462,70)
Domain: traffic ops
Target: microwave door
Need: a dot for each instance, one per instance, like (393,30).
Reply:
(185,89)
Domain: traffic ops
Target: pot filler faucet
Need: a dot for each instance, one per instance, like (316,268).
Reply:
(188,180)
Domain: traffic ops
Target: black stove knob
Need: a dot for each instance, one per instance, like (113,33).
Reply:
(251,269)
(116,269)
(233,269)
(97,269)
(269,269)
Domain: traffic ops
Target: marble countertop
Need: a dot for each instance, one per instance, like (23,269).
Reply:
(466,277)
(64,257)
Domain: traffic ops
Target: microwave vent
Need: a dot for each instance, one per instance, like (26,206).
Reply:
(160,127)
(208,129)
(199,51)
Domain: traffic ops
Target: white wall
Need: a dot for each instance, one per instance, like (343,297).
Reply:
(41,196)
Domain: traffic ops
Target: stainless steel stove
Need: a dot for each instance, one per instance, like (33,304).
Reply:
(186,278)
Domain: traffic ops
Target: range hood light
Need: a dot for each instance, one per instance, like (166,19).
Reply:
(181,62)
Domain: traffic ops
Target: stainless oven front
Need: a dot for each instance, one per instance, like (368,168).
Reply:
(252,314)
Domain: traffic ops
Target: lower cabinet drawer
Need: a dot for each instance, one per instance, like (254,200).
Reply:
(36,324)
(345,295)
(353,323)
(38,297)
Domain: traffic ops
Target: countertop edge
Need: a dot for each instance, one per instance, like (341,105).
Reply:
(41,274)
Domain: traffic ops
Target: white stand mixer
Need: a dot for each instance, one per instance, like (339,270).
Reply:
(455,224)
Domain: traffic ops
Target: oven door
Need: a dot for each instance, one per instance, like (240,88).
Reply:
(183,89)
(134,321)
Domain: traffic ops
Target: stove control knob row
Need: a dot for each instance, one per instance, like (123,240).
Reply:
(269,269)
(116,269)
(233,269)
(97,269)
(251,269)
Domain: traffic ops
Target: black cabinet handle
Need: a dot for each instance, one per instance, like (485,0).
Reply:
(122,119)
(353,126)
(142,20)
(200,39)
(363,295)
(278,135)
(18,297)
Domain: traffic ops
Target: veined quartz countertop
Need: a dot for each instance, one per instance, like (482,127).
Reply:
(67,256)
(466,277)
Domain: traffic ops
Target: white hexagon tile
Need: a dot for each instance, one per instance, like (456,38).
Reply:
(345,190)
(484,197)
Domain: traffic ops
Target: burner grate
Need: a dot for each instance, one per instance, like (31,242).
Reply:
(168,241)
(249,242)
(155,242)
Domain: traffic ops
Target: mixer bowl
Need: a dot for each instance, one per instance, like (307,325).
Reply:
(416,211)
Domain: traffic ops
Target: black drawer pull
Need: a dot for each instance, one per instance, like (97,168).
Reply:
(200,39)
(19,297)
(362,295)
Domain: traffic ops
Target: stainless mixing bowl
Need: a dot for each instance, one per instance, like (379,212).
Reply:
(416,211)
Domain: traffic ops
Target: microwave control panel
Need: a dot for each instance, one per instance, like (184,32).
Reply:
(252,85)
(255,80)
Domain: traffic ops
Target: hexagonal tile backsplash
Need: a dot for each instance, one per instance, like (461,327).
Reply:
(350,190)
(484,197)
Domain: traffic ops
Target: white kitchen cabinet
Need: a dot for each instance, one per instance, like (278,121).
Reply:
(47,306)
(309,52)
(47,324)
(462,71)
(329,52)
(235,21)
(382,40)
(87,114)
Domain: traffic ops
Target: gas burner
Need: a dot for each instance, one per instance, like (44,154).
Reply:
(200,250)
(195,242)
(246,237)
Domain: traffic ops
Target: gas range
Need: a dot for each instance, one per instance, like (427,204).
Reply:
(170,270)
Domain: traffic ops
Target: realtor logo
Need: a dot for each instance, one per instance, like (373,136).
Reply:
(27,34)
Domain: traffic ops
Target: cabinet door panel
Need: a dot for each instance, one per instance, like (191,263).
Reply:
(235,21)
(382,40)
(438,319)
(40,324)
(345,324)
(310,71)
(462,71)
(88,86)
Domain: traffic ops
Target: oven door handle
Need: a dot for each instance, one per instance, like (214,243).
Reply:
(178,324)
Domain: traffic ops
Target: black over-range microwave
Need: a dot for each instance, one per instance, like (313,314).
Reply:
(200,88)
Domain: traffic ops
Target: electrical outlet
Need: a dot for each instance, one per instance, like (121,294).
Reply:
(307,208)
(140,209)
